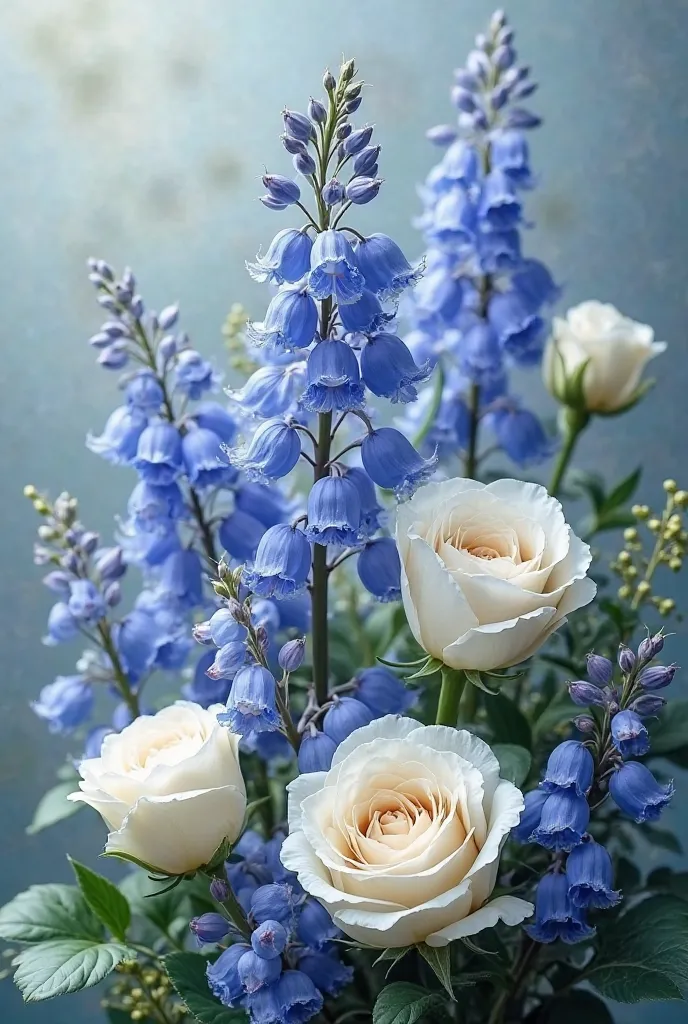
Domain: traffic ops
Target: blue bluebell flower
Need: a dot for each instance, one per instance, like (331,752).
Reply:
(650,647)
(136,644)
(193,375)
(333,379)
(155,508)
(228,660)
(209,929)
(454,221)
(389,370)
(290,322)
(256,972)
(272,452)
(344,716)
(269,939)
(315,927)
(629,734)
(204,460)
(520,330)
(365,162)
(509,152)
(334,271)
(372,513)
(264,502)
(213,416)
(181,577)
(533,281)
(326,971)
(555,915)
(108,563)
(332,192)
(365,316)
(391,461)
(282,563)
(144,392)
(384,266)
(570,767)
(94,741)
(636,792)
(334,512)
(530,817)
(499,206)
(316,751)
(298,125)
(590,875)
(202,689)
(86,602)
(288,258)
(563,821)
(282,189)
(272,390)
(520,435)
(379,569)
(439,291)
(362,190)
(291,655)
(251,705)
(159,454)
(293,999)
(65,703)
(223,976)
(120,438)
(381,691)
(224,629)
(273,902)
(656,677)
(498,252)
(240,535)
(480,355)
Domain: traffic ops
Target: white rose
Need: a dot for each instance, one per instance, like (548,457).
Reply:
(400,839)
(488,571)
(616,347)
(169,787)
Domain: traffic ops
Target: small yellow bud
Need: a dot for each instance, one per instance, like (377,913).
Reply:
(631,572)
(630,534)
(643,588)
(675,564)
(640,511)
(666,606)
(30,491)
(624,593)
(681,498)
(670,486)
(138,1014)
(41,506)
(623,558)
(652,524)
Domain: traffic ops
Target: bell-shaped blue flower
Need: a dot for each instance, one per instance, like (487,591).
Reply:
(86,602)
(273,902)
(326,971)
(590,876)
(334,271)
(361,189)
(381,691)
(379,569)
(181,577)
(636,792)
(520,435)
(251,705)
(65,703)
(209,929)
(454,221)
(563,821)
(555,915)
(256,972)
(205,460)
(521,331)
(288,258)
(530,817)
(159,454)
(202,689)
(461,165)
(334,512)
(333,378)
(570,767)
(154,509)
(439,291)
(509,153)
(213,416)
(315,927)
(224,629)
(269,939)
(136,644)
(144,392)
(389,370)
(498,251)
(272,452)
(365,316)
(534,283)
(499,207)
(272,390)
(384,266)
(228,660)
(293,999)
(282,563)
(372,513)
(391,461)
(264,502)
(223,976)
(480,353)
(240,535)
(344,716)
(193,375)
(629,734)
(282,189)
(316,751)
(290,322)
(119,441)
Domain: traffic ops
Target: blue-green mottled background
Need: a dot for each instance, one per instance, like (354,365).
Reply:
(137,130)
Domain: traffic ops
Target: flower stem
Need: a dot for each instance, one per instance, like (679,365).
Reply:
(128,695)
(453,685)
(320,583)
(573,422)
(231,905)
(471,458)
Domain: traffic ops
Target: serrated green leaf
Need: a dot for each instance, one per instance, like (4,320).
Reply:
(53,807)
(643,954)
(105,900)
(52,969)
(439,959)
(186,971)
(508,723)
(45,913)
(404,1003)
(514,762)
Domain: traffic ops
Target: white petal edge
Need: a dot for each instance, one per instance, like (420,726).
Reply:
(509,909)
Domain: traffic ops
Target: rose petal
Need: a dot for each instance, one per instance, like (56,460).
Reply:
(509,909)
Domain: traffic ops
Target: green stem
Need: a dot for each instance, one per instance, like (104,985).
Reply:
(129,697)
(453,685)
(232,906)
(471,459)
(573,422)
(289,727)
(320,581)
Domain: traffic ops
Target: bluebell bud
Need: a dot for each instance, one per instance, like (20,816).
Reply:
(345,716)
(228,661)
(600,670)
(255,972)
(590,876)
(100,340)
(317,111)
(467,79)
(115,356)
(225,627)
(273,902)
(463,99)
(530,817)
(281,564)
(291,655)
(629,735)
(282,189)
(584,723)
(298,125)
(168,317)
(167,348)
(586,694)
(351,106)
(656,677)
(329,81)
(219,890)
(316,751)
(570,767)
(209,928)
(365,162)
(269,939)
(332,192)
(503,57)
(441,134)
(361,190)
(382,692)
(563,822)
(650,647)
(519,117)
(304,163)
(112,593)
(636,792)
(358,140)
(293,145)
(379,569)
(626,659)
(647,704)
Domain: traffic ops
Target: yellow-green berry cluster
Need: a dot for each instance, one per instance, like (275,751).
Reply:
(145,993)
(234,333)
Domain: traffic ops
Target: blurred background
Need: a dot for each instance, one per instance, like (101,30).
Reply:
(138,131)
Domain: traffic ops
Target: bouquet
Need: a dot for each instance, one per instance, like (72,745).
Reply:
(411,772)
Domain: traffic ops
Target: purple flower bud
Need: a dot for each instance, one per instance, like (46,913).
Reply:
(269,939)
(584,723)
(115,356)
(317,111)
(168,317)
(167,349)
(293,145)
(650,647)
(358,140)
(100,340)
(209,928)
(570,768)
(343,132)
(352,106)
(656,677)
(503,57)
(281,189)
(298,125)
(647,704)
(585,694)
(329,81)
(626,658)
(441,134)
(466,80)
(112,593)
(304,163)
(272,204)
(219,890)
(273,902)
(519,117)
(361,190)
(600,670)
(291,655)
(332,192)
(58,581)
(463,99)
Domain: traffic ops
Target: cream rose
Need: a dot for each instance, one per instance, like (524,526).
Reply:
(169,787)
(616,348)
(488,571)
(400,839)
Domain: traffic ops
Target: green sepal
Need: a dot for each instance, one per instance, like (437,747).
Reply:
(431,667)
(477,680)
(439,960)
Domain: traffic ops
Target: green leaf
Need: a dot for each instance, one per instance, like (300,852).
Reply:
(643,954)
(161,911)
(186,971)
(53,807)
(477,680)
(612,521)
(404,1003)
(45,913)
(661,837)
(668,881)
(508,723)
(514,762)
(623,491)
(671,731)
(67,965)
(439,959)
(556,713)
(105,899)
(574,1007)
